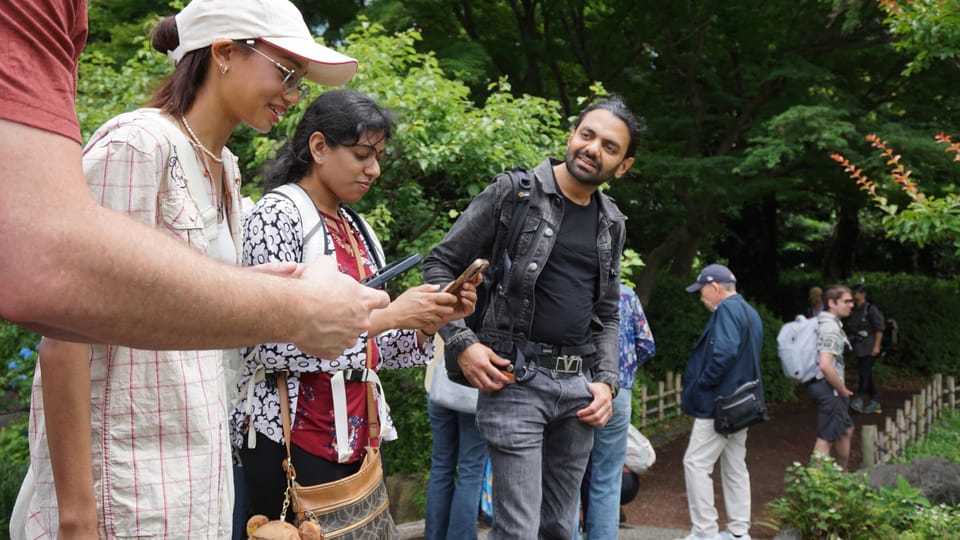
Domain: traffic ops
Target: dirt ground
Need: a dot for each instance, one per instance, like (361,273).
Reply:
(771,447)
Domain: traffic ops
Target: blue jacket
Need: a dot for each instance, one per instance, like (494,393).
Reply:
(726,355)
(482,227)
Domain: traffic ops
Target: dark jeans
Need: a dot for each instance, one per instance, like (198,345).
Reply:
(865,387)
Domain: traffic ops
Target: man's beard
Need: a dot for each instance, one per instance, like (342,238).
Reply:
(595,178)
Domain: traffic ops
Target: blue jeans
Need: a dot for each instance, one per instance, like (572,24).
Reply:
(538,452)
(601,498)
(458,452)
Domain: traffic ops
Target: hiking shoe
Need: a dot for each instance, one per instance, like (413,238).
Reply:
(872,407)
(727,535)
(857,404)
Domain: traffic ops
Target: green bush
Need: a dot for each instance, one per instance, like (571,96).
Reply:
(11,476)
(410,453)
(942,440)
(822,501)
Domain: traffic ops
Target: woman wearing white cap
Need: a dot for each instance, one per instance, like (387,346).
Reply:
(158,442)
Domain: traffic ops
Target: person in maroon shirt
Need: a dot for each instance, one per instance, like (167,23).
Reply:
(57,243)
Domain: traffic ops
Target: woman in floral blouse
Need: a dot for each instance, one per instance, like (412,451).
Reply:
(334,157)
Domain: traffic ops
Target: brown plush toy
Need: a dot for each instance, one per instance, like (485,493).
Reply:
(261,528)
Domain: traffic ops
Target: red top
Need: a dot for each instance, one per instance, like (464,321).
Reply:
(40,44)
(314,429)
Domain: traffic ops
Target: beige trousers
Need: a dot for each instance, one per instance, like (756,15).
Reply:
(705,448)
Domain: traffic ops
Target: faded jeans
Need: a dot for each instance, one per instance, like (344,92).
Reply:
(538,452)
(456,475)
(601,499)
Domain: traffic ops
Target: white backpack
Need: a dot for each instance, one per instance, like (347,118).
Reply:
(797,348)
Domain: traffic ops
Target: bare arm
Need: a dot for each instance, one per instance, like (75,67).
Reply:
(831,375)
(65,379)
(131,285)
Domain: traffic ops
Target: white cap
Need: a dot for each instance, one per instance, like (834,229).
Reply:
(277,22)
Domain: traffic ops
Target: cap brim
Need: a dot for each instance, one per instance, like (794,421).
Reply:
(695,287)
(326,66)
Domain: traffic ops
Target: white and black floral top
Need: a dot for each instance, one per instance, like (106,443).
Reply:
(272,232)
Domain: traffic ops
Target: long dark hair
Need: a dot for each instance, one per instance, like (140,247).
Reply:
(343,116)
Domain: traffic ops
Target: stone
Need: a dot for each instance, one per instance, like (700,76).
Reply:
(938,478)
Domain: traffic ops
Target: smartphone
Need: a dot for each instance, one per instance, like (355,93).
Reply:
(392,270)
(476,267)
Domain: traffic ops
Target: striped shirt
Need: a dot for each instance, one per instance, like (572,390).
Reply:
(160,440)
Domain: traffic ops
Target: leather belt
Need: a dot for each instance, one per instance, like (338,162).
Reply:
(565,363)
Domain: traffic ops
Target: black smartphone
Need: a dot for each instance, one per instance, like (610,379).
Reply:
(476,267)
(392,270)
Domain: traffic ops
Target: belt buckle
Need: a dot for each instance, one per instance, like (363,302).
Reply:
(569,363)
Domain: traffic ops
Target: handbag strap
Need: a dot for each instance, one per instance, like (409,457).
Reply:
(756,373)
(373,422)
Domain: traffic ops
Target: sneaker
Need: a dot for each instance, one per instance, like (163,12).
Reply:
(873,407)
(693,536)
(727,535)
(857,404)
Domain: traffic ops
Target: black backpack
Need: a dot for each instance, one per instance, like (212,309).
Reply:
(501,260)
(891,331)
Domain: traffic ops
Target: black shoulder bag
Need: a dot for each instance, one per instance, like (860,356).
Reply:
(745,407)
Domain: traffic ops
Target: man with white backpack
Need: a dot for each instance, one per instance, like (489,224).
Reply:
(827,388)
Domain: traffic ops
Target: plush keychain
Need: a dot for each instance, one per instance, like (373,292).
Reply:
(261,528)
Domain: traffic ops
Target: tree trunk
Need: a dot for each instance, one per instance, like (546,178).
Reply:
(838,260)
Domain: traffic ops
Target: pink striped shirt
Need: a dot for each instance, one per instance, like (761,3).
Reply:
(160,441)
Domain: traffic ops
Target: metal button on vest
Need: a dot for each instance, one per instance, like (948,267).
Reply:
(532,267)
(548,233)
(526,302)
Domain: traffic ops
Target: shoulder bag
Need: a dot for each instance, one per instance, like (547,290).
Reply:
(745,406)
(445,392)
(355,507)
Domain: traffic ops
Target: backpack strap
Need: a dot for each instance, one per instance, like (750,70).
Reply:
(311,222)
(375,248)
(315,245)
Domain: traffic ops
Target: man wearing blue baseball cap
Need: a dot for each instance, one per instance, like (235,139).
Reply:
(726,356)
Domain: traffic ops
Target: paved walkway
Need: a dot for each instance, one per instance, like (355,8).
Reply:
(414,531)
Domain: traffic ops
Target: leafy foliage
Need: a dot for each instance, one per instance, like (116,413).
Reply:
(822,501)
(926,219)
(942,440)
(928,29)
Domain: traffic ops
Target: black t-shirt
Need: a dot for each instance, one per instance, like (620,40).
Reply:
(564,291)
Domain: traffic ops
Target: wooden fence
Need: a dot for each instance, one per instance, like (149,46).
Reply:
(910,424)
(664,405)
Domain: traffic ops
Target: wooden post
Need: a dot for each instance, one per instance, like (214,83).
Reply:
(952,386)
(921,415)
(868,437)
(938,395)
(890,434)
(643,407)
(902,433)
(678,384)
(660,392)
